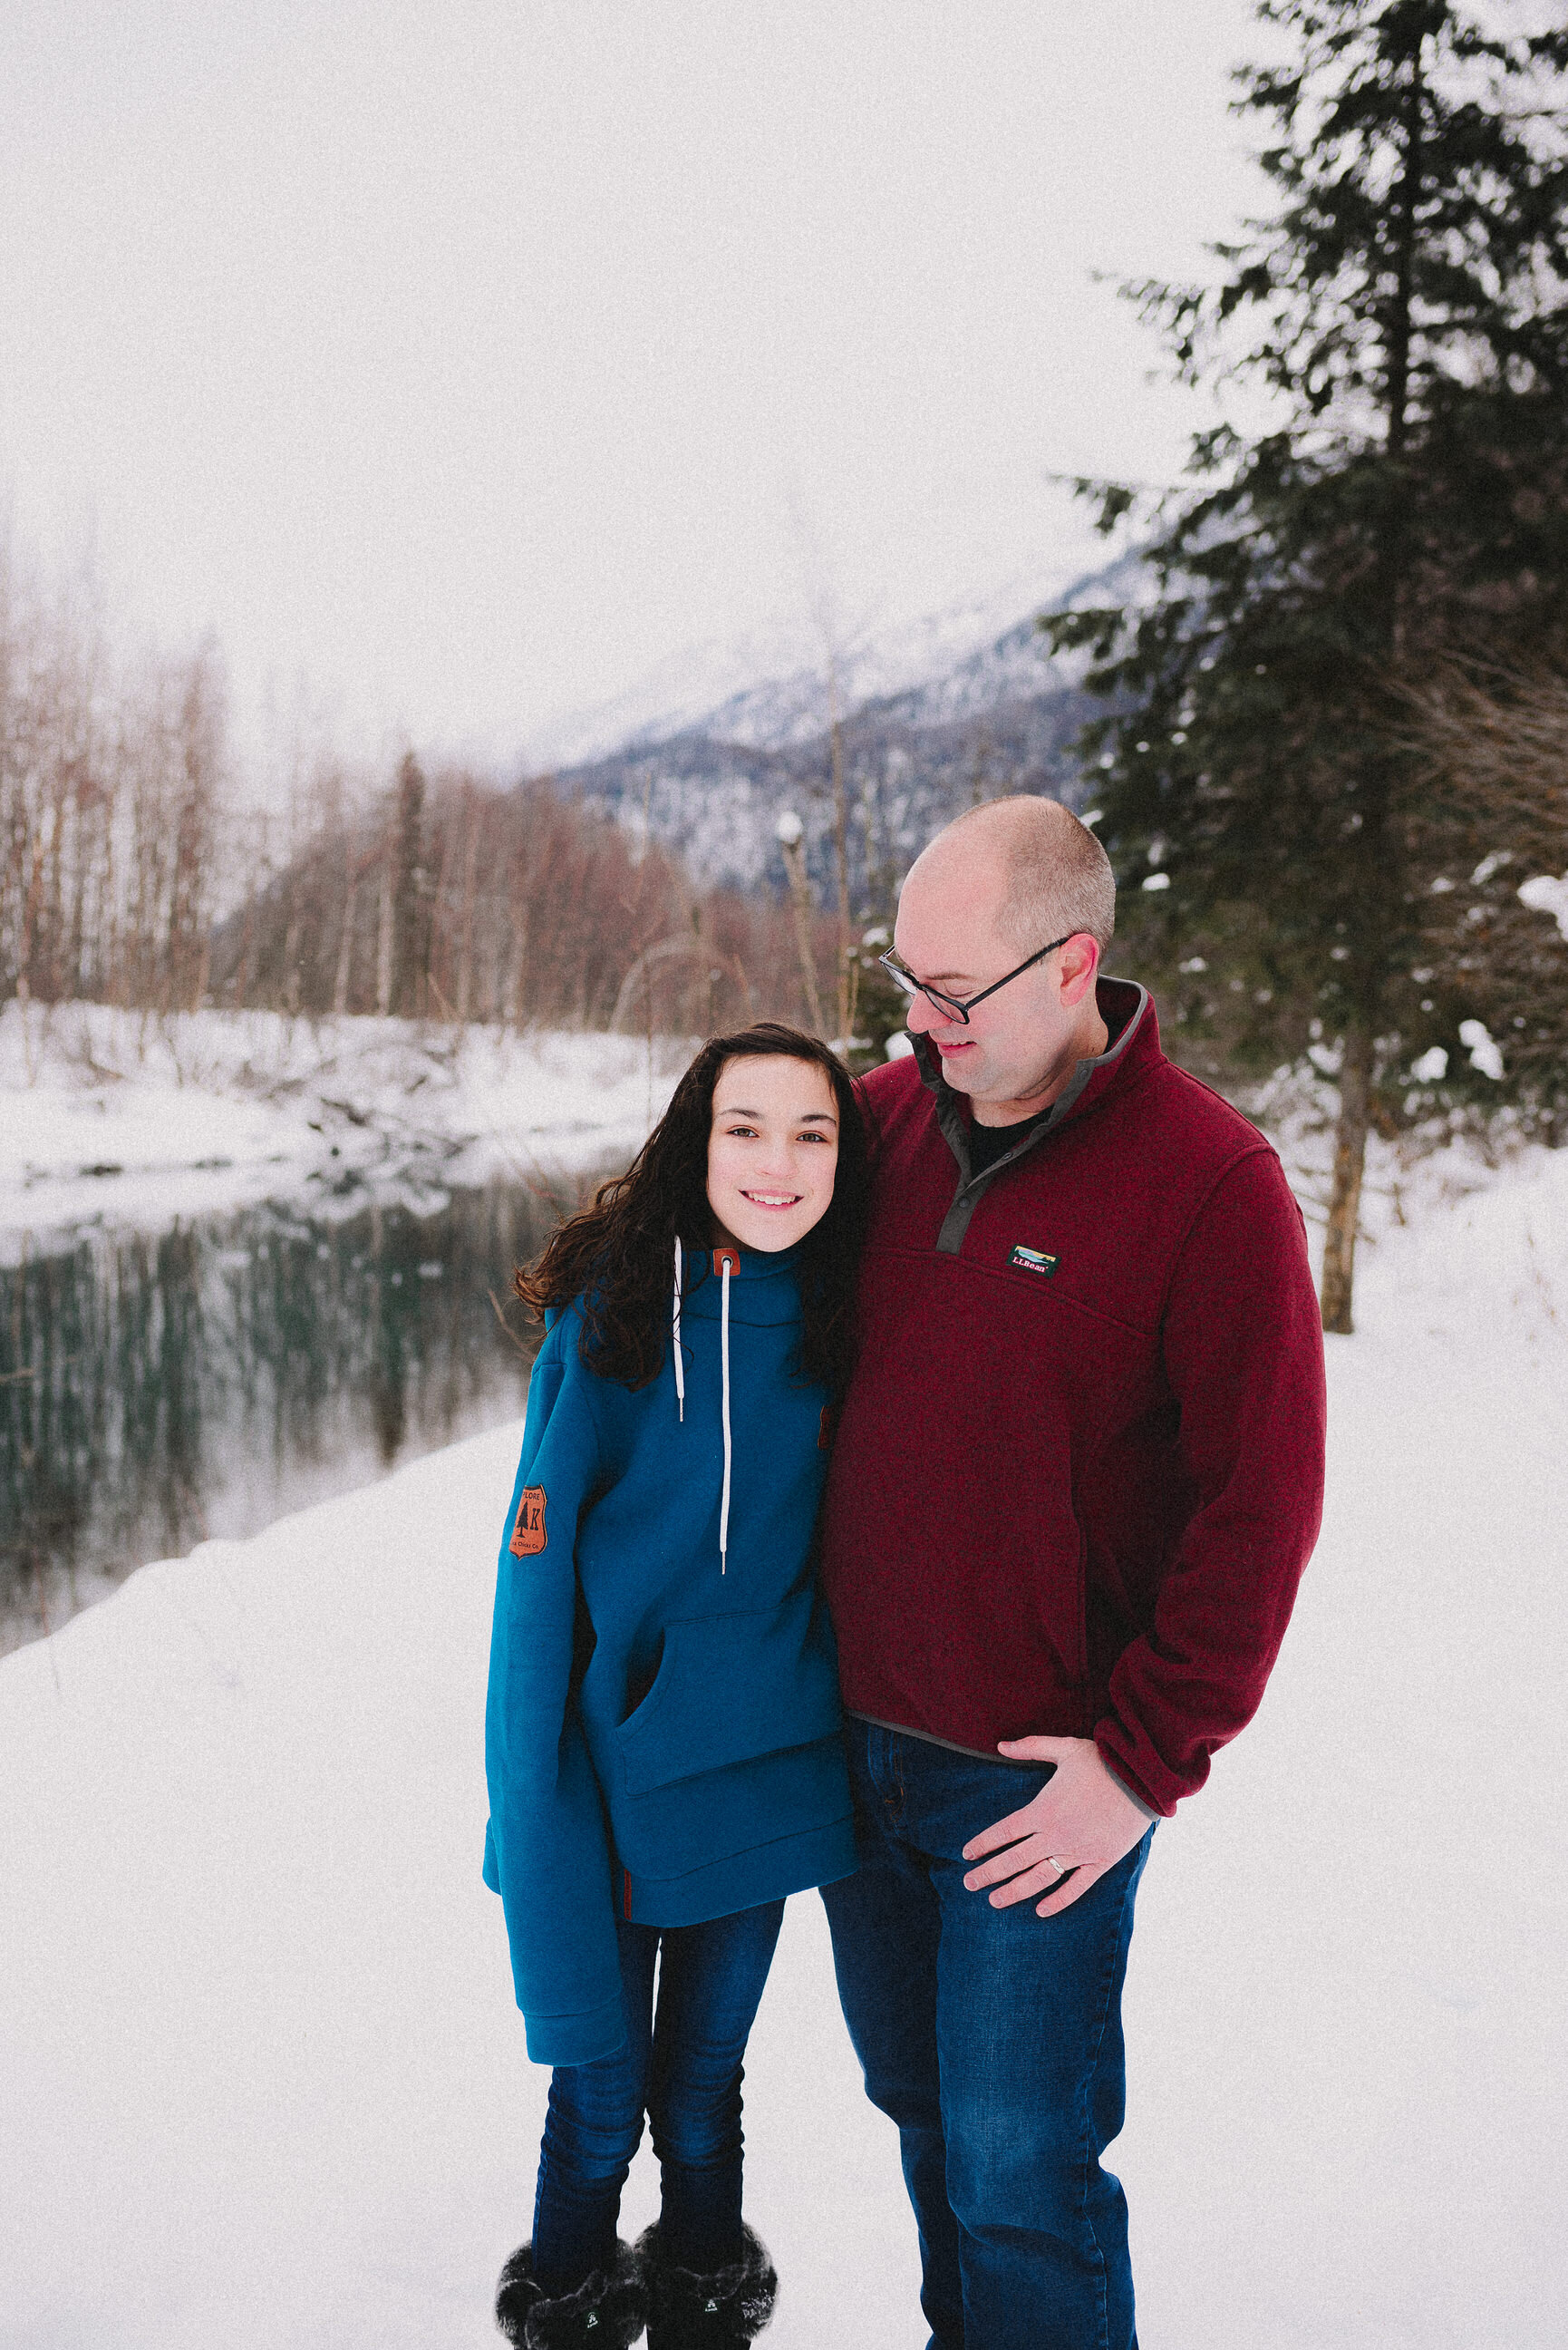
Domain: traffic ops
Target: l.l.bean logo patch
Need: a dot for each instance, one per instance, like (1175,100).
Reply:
(1030,1260)
(528,1531)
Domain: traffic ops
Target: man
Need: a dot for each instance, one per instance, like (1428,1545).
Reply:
(1077,1478)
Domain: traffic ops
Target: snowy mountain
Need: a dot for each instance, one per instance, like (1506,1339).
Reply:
(945,709)
(769,688)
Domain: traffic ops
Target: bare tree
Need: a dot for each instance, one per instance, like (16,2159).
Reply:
(471,808)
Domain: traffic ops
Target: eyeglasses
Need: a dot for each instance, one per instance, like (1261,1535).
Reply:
(950,1006)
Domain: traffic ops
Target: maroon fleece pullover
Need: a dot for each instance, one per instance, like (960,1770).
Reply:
(1079,1469)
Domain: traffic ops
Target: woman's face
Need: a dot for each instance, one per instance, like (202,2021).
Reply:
(772,1150)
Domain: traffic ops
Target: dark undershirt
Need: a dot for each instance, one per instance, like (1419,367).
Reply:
(987,1144)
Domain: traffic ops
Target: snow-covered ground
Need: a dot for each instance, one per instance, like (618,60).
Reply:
(131,1118)
(264,2084)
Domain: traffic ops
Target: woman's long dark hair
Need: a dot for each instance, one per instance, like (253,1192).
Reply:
(618,1256)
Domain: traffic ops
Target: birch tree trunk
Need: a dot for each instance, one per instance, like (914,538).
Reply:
(345,950)
(514,985)
(465,931)
(384,938)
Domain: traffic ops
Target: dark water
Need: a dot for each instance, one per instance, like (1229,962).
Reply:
(156,1391)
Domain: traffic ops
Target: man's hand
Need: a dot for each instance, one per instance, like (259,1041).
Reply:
(1083,1822)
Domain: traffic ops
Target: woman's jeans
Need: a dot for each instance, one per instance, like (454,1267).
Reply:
(682,2066)
(993,2038)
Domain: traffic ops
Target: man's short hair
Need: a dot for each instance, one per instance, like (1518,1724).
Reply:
(1059,879)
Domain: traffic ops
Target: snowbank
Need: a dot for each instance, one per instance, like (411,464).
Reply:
(1470,1236)
(265,2084)
(124,1117)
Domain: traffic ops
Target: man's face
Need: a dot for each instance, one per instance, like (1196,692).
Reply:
(1017,1042)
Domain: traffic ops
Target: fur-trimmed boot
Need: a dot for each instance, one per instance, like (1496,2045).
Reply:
(721,2310)
(607,2312)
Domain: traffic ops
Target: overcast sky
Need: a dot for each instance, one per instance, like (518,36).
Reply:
(469,359)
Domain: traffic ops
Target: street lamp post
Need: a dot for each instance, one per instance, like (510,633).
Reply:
(790,833)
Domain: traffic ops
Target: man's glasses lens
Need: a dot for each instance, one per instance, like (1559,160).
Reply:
(906,981)
(949,1006)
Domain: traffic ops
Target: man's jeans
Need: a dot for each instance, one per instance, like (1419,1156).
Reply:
(993,2038)
(683,2067)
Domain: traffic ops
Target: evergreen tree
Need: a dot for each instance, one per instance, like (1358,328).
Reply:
(1494,746)
(1406,309)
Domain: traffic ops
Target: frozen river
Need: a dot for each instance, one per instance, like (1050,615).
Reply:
(159,1388)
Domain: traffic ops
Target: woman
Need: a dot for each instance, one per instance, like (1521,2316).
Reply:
(662,1731)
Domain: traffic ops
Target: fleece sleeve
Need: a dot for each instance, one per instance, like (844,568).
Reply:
(1243,1356)
(547,1852)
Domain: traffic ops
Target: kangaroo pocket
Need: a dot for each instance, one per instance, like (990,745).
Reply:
(729,1687)
(736,1742)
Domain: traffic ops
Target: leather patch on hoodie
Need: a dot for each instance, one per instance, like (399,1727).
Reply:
(528,1532)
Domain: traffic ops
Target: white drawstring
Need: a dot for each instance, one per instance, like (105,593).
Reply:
(725,1262)
(725,1358)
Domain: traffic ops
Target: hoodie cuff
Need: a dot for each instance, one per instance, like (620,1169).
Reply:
(580,2039)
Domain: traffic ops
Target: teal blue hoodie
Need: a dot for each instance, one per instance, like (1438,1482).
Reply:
(662,1731)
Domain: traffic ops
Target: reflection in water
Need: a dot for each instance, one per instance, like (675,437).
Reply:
(157,1390)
